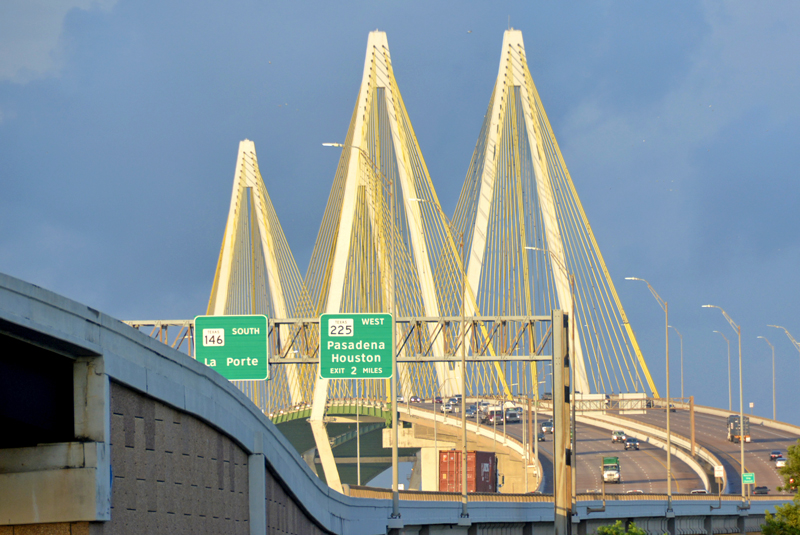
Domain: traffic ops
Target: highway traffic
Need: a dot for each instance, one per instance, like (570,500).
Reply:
(641,470)
(710,433)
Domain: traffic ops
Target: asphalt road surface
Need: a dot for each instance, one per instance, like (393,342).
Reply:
(710,432)
(644,470)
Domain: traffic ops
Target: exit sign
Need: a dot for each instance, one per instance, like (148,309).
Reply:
(234,346)
(355,346)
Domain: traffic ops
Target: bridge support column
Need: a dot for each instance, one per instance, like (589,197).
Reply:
(257,492)
(562,454)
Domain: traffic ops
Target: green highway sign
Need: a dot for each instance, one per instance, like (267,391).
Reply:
(748,478)
(234,346)
(355,346)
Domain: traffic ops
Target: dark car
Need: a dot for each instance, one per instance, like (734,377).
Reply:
(761,490)
(774,454)
(672,408)
(415,399)
(631,443)
(437,399)
(540,437)
(472,411)
(493,417)
(547,396)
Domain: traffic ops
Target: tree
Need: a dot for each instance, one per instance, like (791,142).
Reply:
(786,520)
(619,529)
(791,472)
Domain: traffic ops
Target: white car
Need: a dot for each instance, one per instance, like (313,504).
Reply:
(450,407)
(780,462)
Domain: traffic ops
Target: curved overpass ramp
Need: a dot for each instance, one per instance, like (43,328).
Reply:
(106,430)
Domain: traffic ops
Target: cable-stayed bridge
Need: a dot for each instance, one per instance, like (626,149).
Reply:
(482,283)
(134,433)
(518,245)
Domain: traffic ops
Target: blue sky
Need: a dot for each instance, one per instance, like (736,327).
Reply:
(679,122)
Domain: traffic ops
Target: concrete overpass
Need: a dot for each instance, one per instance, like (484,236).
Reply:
(106,430)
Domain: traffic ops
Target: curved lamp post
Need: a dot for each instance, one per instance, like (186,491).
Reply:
(665,308)
(741,395)
(795,343)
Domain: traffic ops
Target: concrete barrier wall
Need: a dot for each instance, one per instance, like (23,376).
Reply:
(152,383)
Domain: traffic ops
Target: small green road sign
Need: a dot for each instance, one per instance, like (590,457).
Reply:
(234,346)
(748,478)
(355,346)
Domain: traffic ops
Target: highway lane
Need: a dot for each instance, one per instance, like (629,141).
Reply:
(710,432)
(643,470)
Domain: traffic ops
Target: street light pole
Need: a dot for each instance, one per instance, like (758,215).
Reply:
(391,306)
(464,489)
(665,308)
(795,343)
(681,337)
(572,365)
(730,404)
(774,405)
(741,393)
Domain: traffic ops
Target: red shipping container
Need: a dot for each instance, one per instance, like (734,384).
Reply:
(481,471)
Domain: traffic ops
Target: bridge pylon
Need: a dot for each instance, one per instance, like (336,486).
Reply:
(384,243)
(256,272)
(530,248)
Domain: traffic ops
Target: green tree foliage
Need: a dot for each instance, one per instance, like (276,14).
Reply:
(619,529)
(786,520)
(791,472)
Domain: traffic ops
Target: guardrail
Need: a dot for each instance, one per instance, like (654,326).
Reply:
(386,494)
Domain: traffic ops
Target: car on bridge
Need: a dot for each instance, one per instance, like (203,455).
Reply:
(472,411)
(618,436)
(761,490)
(547,427)
(774,454)
(449,408)
(631,443)
(547,396)
(494,416)
(780,462)
(416,399)
(512,416)
(699,491)
(540,437)
(437,399)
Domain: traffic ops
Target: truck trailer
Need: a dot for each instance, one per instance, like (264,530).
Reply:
(733,430)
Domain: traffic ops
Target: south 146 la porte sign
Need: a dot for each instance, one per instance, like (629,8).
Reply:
(236,347)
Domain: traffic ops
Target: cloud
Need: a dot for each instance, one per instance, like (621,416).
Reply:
(30,32)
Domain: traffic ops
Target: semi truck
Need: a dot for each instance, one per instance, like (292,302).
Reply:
(611,473)
(735,434)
